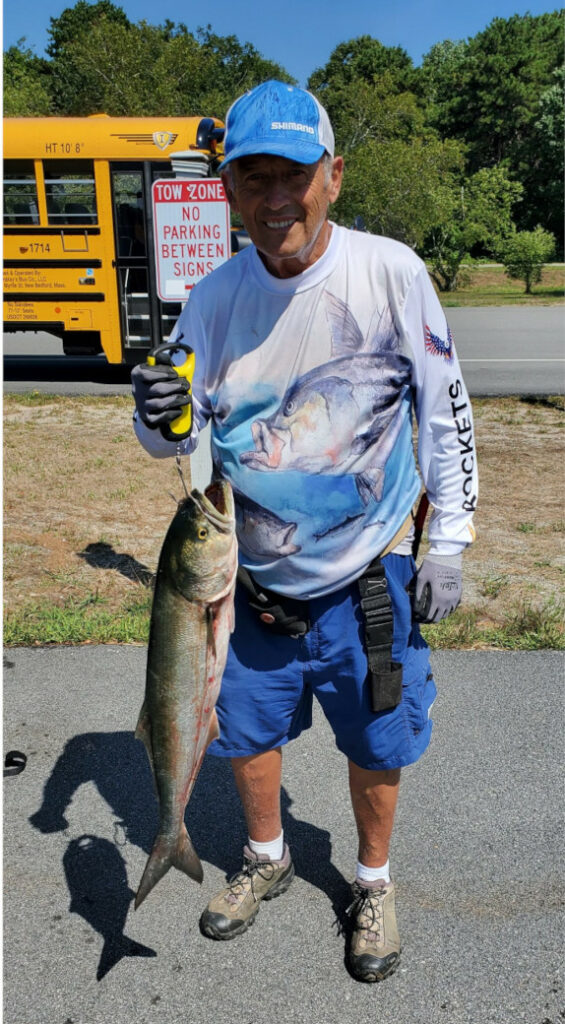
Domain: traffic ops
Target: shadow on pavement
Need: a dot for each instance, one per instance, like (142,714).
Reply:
(117,765)
(65,368)
(97,880)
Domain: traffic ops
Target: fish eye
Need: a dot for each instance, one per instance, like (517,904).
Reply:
(202,533)
(289,408)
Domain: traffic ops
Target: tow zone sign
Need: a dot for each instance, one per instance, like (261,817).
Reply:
(191,223)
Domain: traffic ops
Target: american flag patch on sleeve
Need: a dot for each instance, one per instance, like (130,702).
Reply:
(437,346)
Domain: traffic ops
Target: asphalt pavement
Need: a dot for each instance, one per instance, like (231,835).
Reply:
(477,856)
(516,350)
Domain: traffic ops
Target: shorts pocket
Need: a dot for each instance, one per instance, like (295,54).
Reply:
(417,700)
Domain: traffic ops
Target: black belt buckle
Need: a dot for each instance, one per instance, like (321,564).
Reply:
(287,616)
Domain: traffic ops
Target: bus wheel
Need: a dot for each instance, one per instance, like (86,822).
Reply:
(81,343)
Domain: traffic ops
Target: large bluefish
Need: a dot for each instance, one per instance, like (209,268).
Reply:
(342,417)
(191,620)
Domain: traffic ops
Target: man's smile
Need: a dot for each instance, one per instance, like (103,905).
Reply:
(280,225)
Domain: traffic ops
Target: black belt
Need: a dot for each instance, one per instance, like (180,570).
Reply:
(280,614)
(291,617)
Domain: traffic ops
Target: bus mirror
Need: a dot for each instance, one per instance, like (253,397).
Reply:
(208,135)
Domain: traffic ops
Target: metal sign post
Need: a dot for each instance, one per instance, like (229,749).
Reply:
(191,221)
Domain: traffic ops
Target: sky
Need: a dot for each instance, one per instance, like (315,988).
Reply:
(298,34)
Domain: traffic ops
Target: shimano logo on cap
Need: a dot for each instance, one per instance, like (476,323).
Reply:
(291,126)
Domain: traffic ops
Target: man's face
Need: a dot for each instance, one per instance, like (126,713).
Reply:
(283,206)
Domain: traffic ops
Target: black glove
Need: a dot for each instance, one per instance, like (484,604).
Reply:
(159,393)
(438,587)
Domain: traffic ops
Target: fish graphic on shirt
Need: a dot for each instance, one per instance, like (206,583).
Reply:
(342,417)
(261,533)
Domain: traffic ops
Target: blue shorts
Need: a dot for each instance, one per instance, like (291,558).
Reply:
(269,679)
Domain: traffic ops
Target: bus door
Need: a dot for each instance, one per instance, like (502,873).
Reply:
(145,320)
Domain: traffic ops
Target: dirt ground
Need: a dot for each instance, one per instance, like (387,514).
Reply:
(86,510)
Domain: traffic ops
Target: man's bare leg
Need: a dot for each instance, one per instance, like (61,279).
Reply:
(258,781)
(373,795)
(374,949)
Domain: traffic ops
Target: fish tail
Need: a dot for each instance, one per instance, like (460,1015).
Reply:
(166,854)
(115,949)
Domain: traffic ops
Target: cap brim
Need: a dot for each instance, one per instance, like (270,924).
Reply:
(300,152)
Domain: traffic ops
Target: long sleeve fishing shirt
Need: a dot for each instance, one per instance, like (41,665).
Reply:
(311,384)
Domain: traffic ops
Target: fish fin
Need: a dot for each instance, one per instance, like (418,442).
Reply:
(143,727)
(213,728)
(346,334)
(370,484)
(382,335)
(211,616)
(115,949)
(165,855)
(143,733)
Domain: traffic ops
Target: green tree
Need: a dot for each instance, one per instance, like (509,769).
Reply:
(543,170)
(26,83)
(480,212)
(525,253)
(439,82)
(487,90)
(374,112)
(363,59)
(68,36)
(104,63)
(233,68)
(123,70)
(400,187)
(360,64)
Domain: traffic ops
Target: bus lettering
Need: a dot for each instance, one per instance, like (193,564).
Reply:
(63,148)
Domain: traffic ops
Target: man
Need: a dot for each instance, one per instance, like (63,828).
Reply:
(312,348)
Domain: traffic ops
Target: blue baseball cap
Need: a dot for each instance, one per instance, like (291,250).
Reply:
(280,120)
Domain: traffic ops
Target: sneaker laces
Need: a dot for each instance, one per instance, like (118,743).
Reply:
(368,908)
(240,884)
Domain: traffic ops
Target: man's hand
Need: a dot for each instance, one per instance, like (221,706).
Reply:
(159,393)
(438,587)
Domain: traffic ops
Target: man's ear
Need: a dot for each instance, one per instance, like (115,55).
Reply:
(336,178)
(227,182)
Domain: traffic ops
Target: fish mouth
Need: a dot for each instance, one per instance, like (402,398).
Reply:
(269,444)
(217,505)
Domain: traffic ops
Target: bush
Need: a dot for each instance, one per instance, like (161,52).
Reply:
(525,253)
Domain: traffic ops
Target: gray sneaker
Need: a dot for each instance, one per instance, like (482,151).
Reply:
(374,952)
(235,908)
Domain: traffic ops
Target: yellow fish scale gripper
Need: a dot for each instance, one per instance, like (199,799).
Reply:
(180,428)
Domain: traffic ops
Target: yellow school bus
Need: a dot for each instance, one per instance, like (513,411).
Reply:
(78,236)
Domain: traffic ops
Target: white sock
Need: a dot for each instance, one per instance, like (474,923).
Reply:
(274,849)
(365,874)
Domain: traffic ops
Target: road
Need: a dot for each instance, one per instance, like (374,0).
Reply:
(503,351)
(477,855)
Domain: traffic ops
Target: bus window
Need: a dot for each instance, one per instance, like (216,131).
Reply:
(20,193)
(130,226)
(70,192)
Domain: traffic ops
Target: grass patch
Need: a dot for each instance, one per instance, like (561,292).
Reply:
(489,286)
(85,513)
(39,398)
(526,627)
(88,621)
